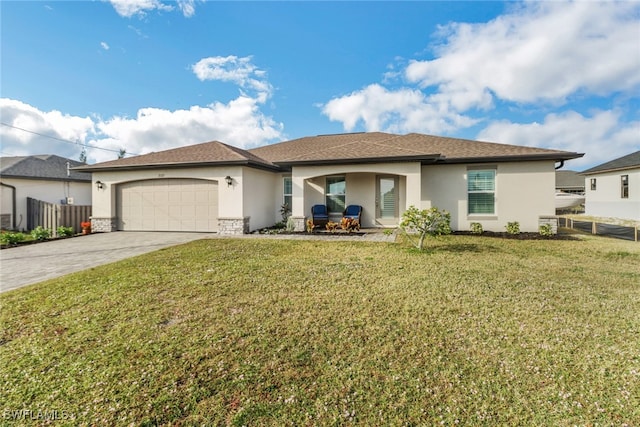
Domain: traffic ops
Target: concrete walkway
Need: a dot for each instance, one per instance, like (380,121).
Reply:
(25,265)
(34,263)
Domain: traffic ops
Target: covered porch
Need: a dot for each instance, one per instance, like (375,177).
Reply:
(384,191)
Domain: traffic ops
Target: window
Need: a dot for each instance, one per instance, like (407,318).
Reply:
(481,191)
(593,184)
(287,192)
(335,194)
(624,186)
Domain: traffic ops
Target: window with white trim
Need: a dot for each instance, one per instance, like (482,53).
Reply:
(624,186)
(481,191)
(287,192)
(335,190)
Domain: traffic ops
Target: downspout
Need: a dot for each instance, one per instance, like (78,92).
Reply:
(13,204)
(561,165)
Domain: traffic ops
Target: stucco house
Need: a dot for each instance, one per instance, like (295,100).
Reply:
(613,188)
(215,187)
(48,177)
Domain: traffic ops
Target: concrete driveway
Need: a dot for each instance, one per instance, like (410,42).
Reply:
(29,264)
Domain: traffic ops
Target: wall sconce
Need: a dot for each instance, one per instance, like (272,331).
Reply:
(100,185)
(229,180)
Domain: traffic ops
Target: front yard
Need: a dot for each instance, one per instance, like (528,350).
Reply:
(475,330)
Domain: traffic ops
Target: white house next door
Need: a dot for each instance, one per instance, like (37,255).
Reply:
(387,200)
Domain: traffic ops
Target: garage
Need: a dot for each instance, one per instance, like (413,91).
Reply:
(174,204)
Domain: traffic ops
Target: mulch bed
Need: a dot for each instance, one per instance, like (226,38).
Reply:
(520,236)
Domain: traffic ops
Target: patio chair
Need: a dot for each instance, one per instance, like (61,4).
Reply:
(319,215)
(353,212)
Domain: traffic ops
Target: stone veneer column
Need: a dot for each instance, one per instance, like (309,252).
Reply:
(103,225)
(233,226)
(300,223)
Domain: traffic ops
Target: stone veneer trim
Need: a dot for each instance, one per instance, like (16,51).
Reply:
(103,225)
(233,226)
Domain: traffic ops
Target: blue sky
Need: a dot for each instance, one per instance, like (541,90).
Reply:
(148,75)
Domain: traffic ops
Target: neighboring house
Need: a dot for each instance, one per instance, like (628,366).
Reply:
(613,188)
(219,188)
(49,178)
(569,182)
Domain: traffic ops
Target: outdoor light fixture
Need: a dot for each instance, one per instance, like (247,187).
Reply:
(229,180)
(100,185)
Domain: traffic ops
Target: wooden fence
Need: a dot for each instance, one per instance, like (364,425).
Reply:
(610,230)
(52,216)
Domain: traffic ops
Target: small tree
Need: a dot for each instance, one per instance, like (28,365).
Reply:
(425,222)
(122,153)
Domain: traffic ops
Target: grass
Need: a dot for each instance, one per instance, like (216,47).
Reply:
(473,331)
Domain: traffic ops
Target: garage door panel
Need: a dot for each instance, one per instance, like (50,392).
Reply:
(168,205)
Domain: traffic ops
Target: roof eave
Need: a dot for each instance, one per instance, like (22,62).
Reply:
(625,168)
(113,168)
(513,158)
(431,158)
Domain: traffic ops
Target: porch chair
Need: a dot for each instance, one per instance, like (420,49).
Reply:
(319,215)
(353,212)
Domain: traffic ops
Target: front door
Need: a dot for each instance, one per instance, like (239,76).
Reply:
(387,200)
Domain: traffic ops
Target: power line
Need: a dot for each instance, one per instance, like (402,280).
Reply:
(64,140)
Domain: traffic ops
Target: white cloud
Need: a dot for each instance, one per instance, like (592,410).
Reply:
(233,69)
(541,51)
(129,8)
(239,122)
(22,117)
(405,110)
(104,45)
(601,137)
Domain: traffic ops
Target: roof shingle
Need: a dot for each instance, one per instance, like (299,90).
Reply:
(48,166)
(339,148)
(629,161)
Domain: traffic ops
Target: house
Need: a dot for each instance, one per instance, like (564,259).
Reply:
(613,188)
(215,187)
(49,178)
(569,182)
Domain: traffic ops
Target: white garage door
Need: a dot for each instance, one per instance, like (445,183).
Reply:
(168,205)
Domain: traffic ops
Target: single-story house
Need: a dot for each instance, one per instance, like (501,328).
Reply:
(215,187)
(569,182)
(613,188)
(48,177)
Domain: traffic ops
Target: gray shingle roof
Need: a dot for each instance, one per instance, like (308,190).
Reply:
(630,161)
(569,180)
(383,146)
(48,166)
(208,153)
(339,148)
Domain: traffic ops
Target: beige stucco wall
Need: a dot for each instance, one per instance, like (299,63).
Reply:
(230,197)
(606,201)
(260,189)
(360,186)
(46,190)
(524,192)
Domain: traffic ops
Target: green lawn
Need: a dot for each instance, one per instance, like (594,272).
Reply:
(473,331)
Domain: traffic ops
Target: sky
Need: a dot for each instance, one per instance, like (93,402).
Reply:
(150,75)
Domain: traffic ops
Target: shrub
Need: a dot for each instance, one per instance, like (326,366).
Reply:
(513,227)
(425,222)
(310,225)
(291,224)
(41,233)
(331,226)
(388,231)
(476,228)
(285,211)
(10,238)
(350,224)
(65,231)
(546,230)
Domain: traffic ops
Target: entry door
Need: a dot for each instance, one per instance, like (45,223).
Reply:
(387,200)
